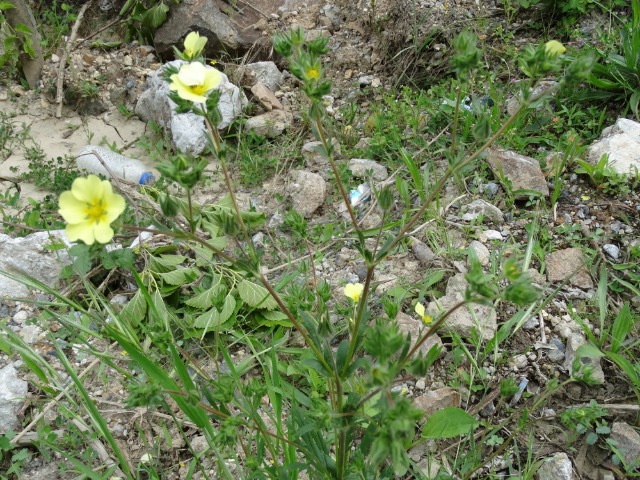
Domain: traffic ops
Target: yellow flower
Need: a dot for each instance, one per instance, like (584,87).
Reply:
(89,208)
(193,45)
(421,313)
(194,81)
(554,48)
(354,291)
(312,72)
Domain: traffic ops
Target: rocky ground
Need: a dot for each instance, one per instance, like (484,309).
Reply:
(369,50)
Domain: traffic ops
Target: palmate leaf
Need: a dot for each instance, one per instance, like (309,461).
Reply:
(256,295)
(214,317)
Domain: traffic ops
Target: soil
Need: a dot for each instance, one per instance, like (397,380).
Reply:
(389,45)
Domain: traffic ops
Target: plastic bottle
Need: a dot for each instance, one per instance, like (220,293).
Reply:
(119,166)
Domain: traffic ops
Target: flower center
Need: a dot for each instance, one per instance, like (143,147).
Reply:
(95,211)
(198,89)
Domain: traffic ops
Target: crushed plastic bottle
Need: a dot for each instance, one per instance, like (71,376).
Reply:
(118,165)
(360,195)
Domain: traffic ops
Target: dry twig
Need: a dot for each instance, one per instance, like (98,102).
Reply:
(65,55)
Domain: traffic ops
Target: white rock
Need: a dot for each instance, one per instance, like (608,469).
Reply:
(187,129)
(13,392)
(622,143)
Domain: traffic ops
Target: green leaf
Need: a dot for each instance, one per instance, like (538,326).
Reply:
(155,16)
(214,317)
(622,325)
(179,277)
(255,295)
(122,257)
(136,309)
(165,263)
(274,318)
(204,300)
(22,28)
(449,422)
(6,5)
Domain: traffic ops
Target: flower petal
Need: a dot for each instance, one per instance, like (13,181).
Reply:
(420,309)
(113,203)
(212,79)
(80,231)
(103,232)
(192,74)
(71,209)
(87,189)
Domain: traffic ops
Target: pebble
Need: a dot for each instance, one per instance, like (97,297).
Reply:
(611,250)
(519,361)
(492,235)
(421,384)
(21,316)
(490,189)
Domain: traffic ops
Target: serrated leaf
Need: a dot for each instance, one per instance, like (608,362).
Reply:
(449,422)
(156,16)
(165,263)
(256,295)
(274,318)
(204,300)
(214,317)
(181,276)
(136,309)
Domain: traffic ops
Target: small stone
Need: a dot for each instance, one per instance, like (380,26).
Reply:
(532,323)
(611,250)
(308,191)
(435,400)
(557,467)
(20,317)
(519,361)
(30,334)
(574,341)
(422,252)
(522,172)
(490,235)
(565,263)
(479,207)
(415,327)
(127,61)
(490,189)
(628,443)
(482,253)
(556,355)
(421,384)
(13,392)
(270,124)
(360,166)
(266,97)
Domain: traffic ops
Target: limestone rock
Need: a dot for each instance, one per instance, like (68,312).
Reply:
(360,166)
(270,124)
(266,97)
(564,263)
(311,151)
(422,252)
(227,29)
(308,192)
(187,129)
(463,321)
(13,391)
(266,73)
(479,207)
(523,172)
(27,255)
(482,253)
(414,327)
(574,341)
(628,443)
(622,143)
(557,467)
(435,400)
